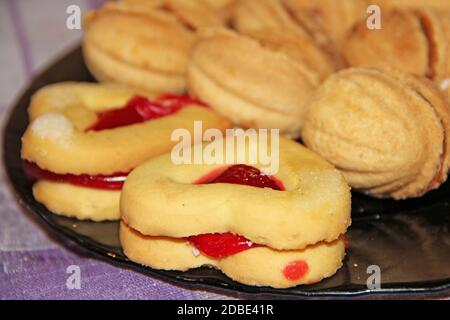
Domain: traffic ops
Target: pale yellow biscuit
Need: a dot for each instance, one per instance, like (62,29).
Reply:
(412,4)
(261,266)
(81,101)
(160,198)
(270,23)
(77,201)
(56,141)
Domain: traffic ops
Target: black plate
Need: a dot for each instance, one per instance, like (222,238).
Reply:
(408,240)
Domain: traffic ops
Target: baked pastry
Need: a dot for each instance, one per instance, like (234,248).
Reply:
(81,143)
(254,85)
(261,230)
(335,17)
(386,130)
(445,21)
(143,43)
(413,4)
(254,15)
(412,41)
(194,13)
(271,24)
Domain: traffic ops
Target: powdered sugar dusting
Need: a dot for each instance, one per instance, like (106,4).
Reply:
(53,126)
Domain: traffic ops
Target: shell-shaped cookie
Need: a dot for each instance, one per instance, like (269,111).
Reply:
(139,46)
(335,17)
(253,85)
(57,140)
(261,266)
(301,49)
(386,130)
(412,41)
(259,15)
(160,198)
(194,13)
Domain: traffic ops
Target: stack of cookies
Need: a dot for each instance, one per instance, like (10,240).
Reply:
(372,106)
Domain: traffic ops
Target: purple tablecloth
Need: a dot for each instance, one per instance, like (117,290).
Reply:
(33,262)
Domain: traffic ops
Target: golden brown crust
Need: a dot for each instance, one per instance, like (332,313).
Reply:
(255,15)
(140,46)
(412,41)
(195,14)
(297,48)
(271,23)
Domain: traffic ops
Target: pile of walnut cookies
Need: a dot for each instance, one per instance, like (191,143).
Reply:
(373,102)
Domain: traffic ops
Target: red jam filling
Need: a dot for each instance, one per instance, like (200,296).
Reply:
(221,245)
(346,242)
(140,109)
(111,182)
(295,270)
(137,110)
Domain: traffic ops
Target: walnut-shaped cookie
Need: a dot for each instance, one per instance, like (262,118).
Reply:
(270,23)
(335,17)
(139,46)
(388,131)
(254,85)
(144,43)
(412,41)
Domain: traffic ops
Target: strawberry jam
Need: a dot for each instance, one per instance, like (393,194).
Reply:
(137,110)
(140,109)
(221,245)
(111,182)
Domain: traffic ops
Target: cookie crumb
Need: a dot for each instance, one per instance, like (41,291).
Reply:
(195,252)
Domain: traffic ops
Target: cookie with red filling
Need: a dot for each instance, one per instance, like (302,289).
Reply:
(278,230)
(84,139)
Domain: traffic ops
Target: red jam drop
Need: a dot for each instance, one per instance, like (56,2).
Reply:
(249,176)
(112,182)
(295,270)
(140,109)
(222,245)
